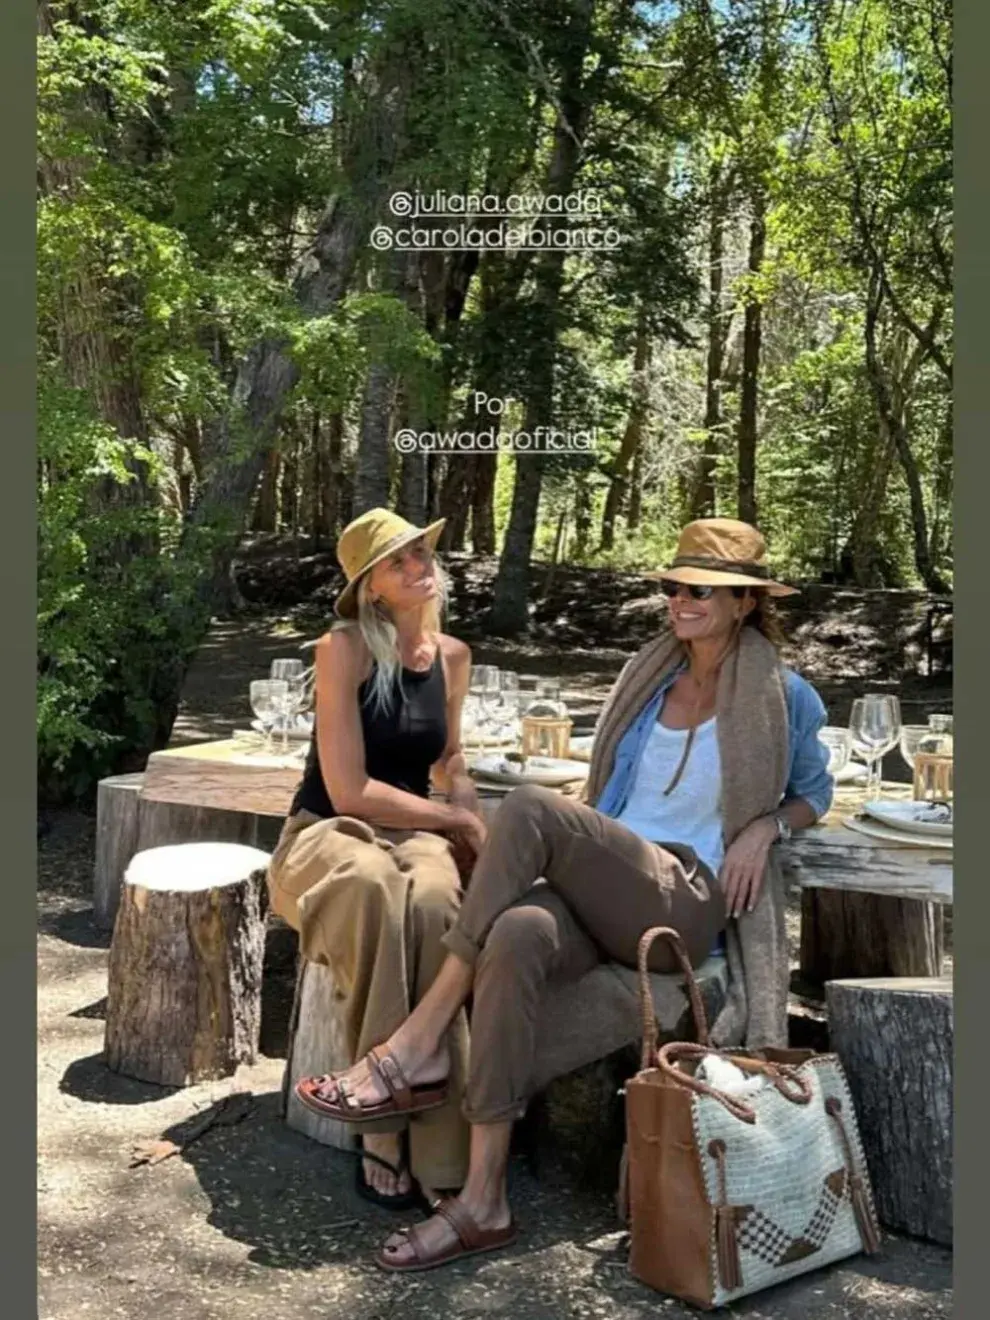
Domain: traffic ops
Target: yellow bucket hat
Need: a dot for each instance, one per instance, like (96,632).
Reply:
(367,540)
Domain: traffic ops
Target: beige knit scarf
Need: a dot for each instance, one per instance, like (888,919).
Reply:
(751,712)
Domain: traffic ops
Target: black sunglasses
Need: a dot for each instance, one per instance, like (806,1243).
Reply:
(670,589)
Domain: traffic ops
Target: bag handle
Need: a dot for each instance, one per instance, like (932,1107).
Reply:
(787,1080)
(647,1011)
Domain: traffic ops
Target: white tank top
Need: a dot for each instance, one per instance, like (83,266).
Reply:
(692,813)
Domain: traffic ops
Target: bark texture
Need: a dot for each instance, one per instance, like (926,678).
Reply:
(895,1041)
(845,934)
(184,996)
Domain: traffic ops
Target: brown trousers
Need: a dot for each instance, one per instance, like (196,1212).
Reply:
(373,905)
(557,888)
(603,885)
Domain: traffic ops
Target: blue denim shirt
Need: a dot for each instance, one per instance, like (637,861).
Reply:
(807,776)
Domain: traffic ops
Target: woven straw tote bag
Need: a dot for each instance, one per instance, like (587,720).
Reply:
(730,1193)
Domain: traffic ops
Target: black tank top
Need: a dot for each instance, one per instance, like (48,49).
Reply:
(400,745)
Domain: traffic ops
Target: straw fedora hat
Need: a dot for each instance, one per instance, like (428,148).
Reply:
(722,552)
(369,539)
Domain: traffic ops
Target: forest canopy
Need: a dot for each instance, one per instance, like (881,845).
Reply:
(227,346)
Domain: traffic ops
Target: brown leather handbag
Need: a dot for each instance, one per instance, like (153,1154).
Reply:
(731,1191)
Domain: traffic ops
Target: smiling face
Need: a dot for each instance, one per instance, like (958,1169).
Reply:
(707,620)
(406,579)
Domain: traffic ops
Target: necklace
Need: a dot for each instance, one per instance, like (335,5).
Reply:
(699,685)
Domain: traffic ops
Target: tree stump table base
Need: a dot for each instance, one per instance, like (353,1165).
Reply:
(184,994)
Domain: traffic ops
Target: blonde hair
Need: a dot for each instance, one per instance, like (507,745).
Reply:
(382,638)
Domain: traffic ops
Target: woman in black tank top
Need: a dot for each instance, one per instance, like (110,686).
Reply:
(367,868)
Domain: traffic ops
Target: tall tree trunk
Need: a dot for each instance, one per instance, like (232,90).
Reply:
(509,609)
(267,374)
(582,516)
(371,480)
(333,491)
(889,396)
(635,492)
(266,509)
(703,499)
(483,503)
(752,342)
(632,437)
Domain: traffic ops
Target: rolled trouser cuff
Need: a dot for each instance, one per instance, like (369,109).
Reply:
(510,1112)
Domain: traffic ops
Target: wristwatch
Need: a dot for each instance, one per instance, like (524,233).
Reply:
(784,831)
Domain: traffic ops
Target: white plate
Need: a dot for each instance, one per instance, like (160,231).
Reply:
(303,730)
(877,831)
(908,816)
(539,770)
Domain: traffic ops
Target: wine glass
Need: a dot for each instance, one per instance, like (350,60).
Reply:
(838,742)
(508,707)
(875,724)
(288,670)
(268,700)
(483,686)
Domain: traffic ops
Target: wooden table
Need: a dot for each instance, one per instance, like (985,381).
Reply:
(869,907)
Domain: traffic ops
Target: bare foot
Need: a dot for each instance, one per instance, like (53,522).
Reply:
(366,1088)
(436,1234)
(387,1146)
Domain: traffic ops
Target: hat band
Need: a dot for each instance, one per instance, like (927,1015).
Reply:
(722,565)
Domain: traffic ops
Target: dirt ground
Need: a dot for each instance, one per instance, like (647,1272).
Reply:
(253,1220)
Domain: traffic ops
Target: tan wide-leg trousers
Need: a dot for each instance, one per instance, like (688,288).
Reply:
(373,905)
(602,886)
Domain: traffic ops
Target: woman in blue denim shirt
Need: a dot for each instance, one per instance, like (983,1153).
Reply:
(705,754)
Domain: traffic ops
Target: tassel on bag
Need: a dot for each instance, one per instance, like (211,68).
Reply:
(726,1242)
(869,1232)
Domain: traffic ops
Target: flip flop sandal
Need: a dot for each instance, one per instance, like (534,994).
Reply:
(410,1200)
(403,1099)
(471,1241)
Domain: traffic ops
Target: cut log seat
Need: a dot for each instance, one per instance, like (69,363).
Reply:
(894,1037)
(184,993)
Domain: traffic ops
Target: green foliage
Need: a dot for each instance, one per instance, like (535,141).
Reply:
(104,614)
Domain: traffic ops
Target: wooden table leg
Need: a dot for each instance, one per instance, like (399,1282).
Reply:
(845,934)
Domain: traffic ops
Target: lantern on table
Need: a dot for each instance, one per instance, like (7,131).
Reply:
(933,762)
(546,727)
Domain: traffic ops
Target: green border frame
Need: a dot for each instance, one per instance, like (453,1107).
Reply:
(18,1243)
(972,485)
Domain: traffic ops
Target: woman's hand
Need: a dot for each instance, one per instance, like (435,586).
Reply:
(745,865)
(467,838)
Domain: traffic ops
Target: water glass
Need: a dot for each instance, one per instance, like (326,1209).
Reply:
(268,701)
(875,724)
(838,743)
(913,738)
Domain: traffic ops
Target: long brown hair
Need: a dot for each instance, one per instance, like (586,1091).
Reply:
(763,616)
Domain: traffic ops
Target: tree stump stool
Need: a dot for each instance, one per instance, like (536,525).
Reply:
(894,1037)
(128,823)
(317,1045)
(184,996)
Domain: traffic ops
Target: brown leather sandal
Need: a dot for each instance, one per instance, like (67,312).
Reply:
(471,1241)
(402,1098)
